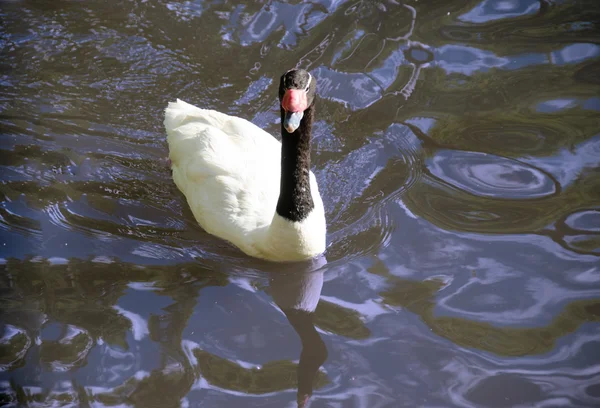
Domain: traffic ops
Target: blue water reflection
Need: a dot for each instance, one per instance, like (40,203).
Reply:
(490,10)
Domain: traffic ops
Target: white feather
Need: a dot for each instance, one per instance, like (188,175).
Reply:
(229,170)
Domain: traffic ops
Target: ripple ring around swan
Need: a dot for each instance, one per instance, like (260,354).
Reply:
(369,176)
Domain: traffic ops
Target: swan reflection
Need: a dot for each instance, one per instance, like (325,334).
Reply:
(297,294)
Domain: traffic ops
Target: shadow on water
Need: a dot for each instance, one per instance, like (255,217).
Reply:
(457,149)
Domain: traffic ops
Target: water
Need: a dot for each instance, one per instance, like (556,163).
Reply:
(457,148)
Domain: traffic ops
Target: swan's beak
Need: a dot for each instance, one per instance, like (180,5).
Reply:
(292,120)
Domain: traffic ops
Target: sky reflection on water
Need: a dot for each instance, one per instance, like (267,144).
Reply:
(457,152)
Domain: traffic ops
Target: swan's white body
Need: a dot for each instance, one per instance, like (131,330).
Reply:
(229,170)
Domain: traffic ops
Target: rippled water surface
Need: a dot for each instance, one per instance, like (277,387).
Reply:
(457,149)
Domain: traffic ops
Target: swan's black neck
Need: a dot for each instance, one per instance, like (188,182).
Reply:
(295,199)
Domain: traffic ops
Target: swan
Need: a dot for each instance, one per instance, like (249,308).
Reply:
(243,185)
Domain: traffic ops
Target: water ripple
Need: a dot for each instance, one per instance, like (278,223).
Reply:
(587,220)
(368,178)
(478,118)
(14,344)
(67,352)
(490,10)
(487,175)
(15,216)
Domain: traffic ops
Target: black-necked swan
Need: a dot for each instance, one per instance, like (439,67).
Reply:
(241,184)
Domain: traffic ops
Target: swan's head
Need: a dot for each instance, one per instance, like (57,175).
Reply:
(296,93)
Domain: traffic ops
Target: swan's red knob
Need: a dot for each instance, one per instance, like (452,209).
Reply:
(294,100)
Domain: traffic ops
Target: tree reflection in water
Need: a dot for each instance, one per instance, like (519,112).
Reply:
(62,329)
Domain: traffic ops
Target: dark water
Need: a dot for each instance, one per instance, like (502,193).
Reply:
(457,148)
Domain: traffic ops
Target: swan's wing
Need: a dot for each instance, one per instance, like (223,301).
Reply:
(228,169)
(222,139)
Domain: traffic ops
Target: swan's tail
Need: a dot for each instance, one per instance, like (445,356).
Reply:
(179,113)
(190,135)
